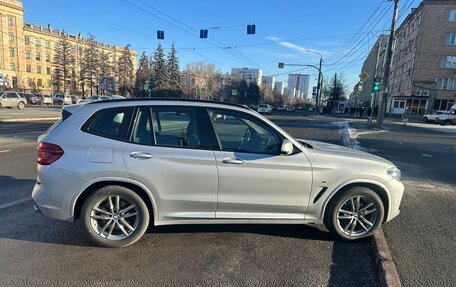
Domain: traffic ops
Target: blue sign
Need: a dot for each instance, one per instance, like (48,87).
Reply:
(1,76)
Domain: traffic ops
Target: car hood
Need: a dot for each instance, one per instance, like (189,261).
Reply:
(341,151)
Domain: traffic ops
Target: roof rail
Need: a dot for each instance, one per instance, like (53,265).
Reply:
(169,99)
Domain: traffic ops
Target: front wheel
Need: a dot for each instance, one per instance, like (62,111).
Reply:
(355,213)
(115,216)
(425,119)
(20,105)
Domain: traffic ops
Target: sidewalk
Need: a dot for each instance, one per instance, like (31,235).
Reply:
(35,113)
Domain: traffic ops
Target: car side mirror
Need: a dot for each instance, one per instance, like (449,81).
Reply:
(287,147)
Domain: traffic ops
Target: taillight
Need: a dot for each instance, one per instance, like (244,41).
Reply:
(48,153)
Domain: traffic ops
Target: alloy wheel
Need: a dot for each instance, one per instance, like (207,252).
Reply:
(357,216)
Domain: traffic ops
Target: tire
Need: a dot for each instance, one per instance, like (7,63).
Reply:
(343,228)
(123,231)
(447,123)
(20,105)
(425,119)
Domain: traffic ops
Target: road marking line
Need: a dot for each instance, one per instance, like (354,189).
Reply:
(13,203)
(6,150)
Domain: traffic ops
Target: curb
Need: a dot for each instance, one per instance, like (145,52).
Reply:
(386,268)
(29,120)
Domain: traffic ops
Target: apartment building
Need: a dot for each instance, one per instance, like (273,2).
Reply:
(248,74)
(27,51)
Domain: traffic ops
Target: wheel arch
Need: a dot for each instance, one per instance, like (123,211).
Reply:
(138,188)
(377,187)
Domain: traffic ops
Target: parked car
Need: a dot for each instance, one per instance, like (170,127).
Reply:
(290,109)
(197,162)
(61,99)
(265,109)
(282,108)
(447,119)
(117,97)
(47,100)
(431,117)
(12,99)
(94,99)
(34,99)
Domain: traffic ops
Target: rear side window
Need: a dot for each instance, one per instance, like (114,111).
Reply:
(110,123)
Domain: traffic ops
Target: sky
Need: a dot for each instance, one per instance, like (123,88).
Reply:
(341,31)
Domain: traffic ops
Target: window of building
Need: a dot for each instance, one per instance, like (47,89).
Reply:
(37,42)
(10,37)
(452,17)
(38,56)
(27,40)
(450,39)
(38,69)
(11,52)
(27,55)
(443,105)
(28,68)
(48,57)
(12,67)
(48,70)
(10,21)
(29,82)
(446,83)
(49,83)
(56,45)
(448,62)
(39,83)
(47,44)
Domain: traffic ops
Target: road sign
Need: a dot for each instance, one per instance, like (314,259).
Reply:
(281,65)
(234,92)
(360,86)
(203,90)
(107,83)
(364,76)
(1,76)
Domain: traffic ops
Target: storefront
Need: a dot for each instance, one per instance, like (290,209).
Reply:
(417,105)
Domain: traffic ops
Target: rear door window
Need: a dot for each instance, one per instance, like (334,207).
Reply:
(176,127)
(110,123)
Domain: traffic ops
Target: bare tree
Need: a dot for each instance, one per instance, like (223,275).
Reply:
(201,80)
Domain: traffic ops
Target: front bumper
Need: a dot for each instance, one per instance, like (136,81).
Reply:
(396,193)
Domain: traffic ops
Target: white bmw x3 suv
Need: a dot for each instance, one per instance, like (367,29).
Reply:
(118,165)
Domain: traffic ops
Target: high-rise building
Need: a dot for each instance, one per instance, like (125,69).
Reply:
(424,60)
(279,88)
(298,86)
(268,82)
(248,74)
(27,52)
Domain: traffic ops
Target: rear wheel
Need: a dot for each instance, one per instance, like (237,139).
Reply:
(20,105)
(425,119)
(447,123)
(115,216)
(355,213)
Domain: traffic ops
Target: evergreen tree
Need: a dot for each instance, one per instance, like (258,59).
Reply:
(142,74)
(125,72)
(253,93)
(105,66)
(62,64)
(159,69)
(173,69)
(90,63)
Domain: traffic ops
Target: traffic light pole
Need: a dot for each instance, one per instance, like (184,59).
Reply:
(389,53)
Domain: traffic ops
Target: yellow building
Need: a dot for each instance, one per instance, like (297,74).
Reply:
(27,52)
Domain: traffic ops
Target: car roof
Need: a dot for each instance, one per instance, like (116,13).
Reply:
(169,101)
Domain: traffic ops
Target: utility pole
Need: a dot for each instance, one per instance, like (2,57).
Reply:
(333,94)
(319,88)
(389,53)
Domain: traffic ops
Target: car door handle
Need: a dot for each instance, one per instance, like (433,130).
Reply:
(230,160)
(140,155)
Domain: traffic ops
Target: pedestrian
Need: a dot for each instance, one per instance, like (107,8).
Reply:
(369,112)
(361,112)
(405,116)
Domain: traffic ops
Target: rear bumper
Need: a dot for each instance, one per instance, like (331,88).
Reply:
(50,204)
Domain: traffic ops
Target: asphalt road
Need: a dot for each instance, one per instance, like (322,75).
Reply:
(38,251)
(422,239)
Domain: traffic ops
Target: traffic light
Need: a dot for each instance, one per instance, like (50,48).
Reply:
(376,84)
(251,29)
(203,33)
(281,65)
(360,86)
(160,35)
